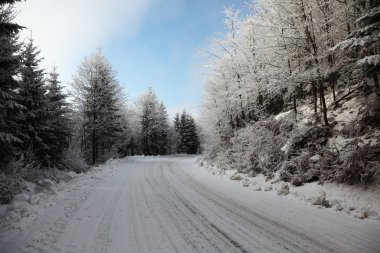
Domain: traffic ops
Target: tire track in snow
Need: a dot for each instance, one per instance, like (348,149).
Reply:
(286,237)
(186,215)
(102,239)
(156,205)
(290,235)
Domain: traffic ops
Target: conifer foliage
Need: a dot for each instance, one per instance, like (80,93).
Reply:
(366,39)
(10,108)
(32,95)
(58,117)
(154,124)
(34,124)
(98,101)
(187,140)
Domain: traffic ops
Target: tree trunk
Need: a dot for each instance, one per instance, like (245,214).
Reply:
(295,106)
(323,101)
(103,151)
(333,89)
(315,97)
(93,147)
(301,91)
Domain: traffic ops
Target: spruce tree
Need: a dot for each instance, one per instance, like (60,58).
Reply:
(154,126)
(98,98)
(58,121)
(366,39)
(32,93)
(7,14)
(10,62)
(176,122)
(188,141)
(162,130)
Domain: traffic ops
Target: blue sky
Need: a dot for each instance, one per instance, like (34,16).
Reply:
(150,43)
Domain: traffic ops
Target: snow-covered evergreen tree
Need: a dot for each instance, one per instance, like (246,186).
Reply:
(162,129)
(58,121)
(98,98)
(10,108)
(32,95)
(154,125)
(366,39)
(188,141)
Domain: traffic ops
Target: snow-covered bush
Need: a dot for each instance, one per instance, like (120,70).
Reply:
(352,164)
(283,190)
(257,148)
(299,170)
(36,175)
(10,185)
(10,181)
(351,129)
(312,137)
(73,158)
(359,164)
(320,200)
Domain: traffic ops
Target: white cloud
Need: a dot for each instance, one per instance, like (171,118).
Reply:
(68,30)
(193,110)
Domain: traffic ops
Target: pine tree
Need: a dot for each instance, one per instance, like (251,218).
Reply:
(366,38)
(188,141)
(7,14)
(154,126)
(148,103)
(58,121)
(162,129)
(176,122)
(32,96)
(10,62)
(98,99)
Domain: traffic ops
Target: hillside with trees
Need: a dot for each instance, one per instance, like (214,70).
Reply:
(293,92)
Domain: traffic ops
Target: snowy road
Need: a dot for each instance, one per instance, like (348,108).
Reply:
(167,204)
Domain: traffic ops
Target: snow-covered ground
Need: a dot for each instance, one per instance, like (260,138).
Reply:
(356,201)
(169,204)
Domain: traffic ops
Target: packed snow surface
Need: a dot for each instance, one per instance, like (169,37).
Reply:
(169,204)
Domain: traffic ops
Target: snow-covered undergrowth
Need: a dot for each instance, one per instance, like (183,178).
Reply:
(353,200)
(36,197)
(336,166)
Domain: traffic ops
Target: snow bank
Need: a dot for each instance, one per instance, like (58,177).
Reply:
(37,197)
(352,200)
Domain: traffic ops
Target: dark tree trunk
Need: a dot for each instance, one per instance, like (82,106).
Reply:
(333,89)
(295,105)
(301,91)
(315,97)
(93,147)
(323,101)
(94,141)
(103,151)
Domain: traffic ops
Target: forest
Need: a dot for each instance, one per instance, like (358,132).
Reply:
(282,154)
(293,91)
(46,130)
